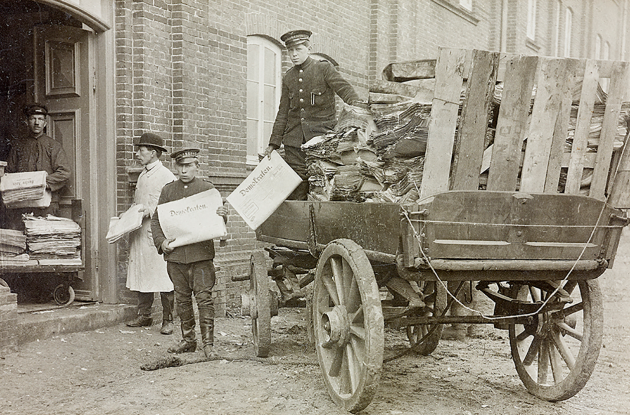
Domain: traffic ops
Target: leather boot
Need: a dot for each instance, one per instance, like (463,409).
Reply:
(206,325)
(207,338)
(189,342)
(167,312)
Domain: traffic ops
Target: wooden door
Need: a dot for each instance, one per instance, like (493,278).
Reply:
(63,84)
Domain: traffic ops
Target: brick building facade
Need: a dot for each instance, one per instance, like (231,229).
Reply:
(180,68)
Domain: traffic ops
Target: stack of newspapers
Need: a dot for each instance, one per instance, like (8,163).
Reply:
(12,245)
(53,240)
(27,189)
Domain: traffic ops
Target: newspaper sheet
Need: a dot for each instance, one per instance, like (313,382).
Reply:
(192,219)
(128,222)
(260,194)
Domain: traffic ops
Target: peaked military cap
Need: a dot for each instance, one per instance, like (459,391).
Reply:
(185,156)
(35,108)
(151,140)
(295,37)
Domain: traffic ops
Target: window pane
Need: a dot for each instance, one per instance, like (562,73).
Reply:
(270,66)
(252,137)
(270,107)
(252,61)
(253,100)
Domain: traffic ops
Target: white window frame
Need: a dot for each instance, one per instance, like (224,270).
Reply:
(568,32)
(262,138)
(556,46)
(606,51)
(598,47)
(531,19)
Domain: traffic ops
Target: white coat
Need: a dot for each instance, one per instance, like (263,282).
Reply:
(147,269)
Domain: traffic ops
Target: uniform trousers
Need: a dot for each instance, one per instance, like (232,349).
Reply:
(296,158)
(196,278)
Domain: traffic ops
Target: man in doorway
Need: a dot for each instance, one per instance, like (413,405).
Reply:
(190,267)
(38,152)
(307,104)
(147,273)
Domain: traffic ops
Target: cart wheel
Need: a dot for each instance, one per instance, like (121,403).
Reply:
(63,294)
(260,306)
(348,324)
(556,352)
(425,338)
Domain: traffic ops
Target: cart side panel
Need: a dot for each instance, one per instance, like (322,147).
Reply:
(374,226)
(515,226)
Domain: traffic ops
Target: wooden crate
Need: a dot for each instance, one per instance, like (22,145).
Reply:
(537,98)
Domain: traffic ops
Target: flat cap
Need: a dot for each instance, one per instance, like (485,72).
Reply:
(185,156)
(35,108)
(150,140)
(295,37)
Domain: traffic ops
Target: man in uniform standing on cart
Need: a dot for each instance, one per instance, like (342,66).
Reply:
(307,104)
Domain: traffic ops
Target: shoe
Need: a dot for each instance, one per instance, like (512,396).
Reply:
(183,347)
(167,327)
(140,321)
(208,350)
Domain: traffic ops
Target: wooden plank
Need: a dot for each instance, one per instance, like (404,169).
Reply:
(618,86)
(474,120)
(450,71)
(561,128)
(398,88)
(511,123)
(406,71)
(550,81)
(582,127)
(619,195)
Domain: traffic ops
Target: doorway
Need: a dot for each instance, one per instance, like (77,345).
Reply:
(47,58)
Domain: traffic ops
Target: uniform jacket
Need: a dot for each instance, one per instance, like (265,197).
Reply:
(307,102)
(186,254)
(147,269)
(37,154)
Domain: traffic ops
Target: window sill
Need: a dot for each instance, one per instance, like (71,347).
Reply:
(459,11)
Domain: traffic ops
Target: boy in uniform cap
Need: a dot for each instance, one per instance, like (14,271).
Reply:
(190,266)
(147,273)
(307,104)
(37,152)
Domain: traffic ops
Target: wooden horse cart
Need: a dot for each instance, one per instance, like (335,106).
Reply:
(498,216)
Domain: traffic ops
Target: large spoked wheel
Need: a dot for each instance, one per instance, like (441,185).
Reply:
(260,304)
(63,294)
(348,324)
(424,338)
(555,354)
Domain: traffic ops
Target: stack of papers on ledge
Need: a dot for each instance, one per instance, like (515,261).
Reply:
(53,239)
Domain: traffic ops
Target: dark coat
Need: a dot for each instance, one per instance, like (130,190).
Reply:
(200,251)
(307,102)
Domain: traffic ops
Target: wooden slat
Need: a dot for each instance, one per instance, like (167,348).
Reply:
(560,133)
(474,120)
(580,139)
(618,86)
(449,73)
(510,131)
(550,81)
(405,71)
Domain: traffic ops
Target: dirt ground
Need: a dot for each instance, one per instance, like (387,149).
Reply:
(99,372)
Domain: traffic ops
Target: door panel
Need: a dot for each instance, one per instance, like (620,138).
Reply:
(62,83)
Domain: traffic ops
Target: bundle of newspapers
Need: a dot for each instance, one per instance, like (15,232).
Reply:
(12,245)
(53,240)
(25,190)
